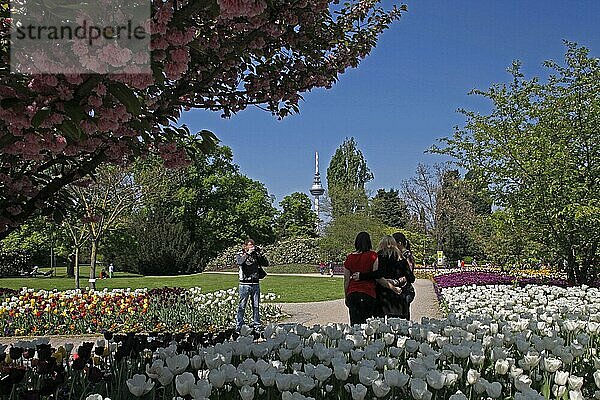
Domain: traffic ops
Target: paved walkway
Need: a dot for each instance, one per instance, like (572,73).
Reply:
(424,305)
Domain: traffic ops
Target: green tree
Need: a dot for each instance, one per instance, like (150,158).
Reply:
(339,236)
(297,219)
(209,203)
(347,175)
(540,151)
(390,208)
(457,218)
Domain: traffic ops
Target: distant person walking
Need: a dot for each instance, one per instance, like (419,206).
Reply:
(250,262)
(392,275)
(111,270)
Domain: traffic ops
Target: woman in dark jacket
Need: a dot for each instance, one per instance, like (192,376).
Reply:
(408,291)
(396,272)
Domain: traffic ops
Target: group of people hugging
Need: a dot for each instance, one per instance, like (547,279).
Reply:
(379,284)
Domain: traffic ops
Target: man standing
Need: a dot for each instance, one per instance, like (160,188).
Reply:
(249,261)
(111,269)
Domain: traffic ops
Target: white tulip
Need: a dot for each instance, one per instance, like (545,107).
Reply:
(570,325)
(435,379)
(477,358)
(451,377)
(560,378)
(597,378)
(501,367)
(139,385)
(267,377)
(575,395)
(341,371)
(356,355)
(358,392)
(522,383)
(411,345)
(307,353)
(202,389)
(418,388)
(494,390)
(472,376)
(558,391)
(395,378)
(196,362)
(165,377)
(184,383)
(246,392)
(480,386)
(380,388)
(283,382)
(597,395)
(216,378)
(458,396)
(531,360)
(285,354)
(367,375)
(322,372)
(575,382)
(95,397)
(552,364)
(154,370)
(245,377)
(306,383)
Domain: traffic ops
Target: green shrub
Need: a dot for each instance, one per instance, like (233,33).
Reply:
(290,251)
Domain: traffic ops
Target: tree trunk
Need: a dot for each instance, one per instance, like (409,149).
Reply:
(93,264)
(77,267)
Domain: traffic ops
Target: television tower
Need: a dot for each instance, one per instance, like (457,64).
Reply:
(316,189)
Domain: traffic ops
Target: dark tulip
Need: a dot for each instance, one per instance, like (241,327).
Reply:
(5,386)
(153,345)
(48,387)
(99,350)
(108,335)
(44,351)
(94,375)
(28,354)
(43,368)
(16,375)
(119,354)
(78,364)
(119,338)
(15,353)
(60,377)
(30,395)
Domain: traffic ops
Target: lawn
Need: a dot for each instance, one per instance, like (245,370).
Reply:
(292,289)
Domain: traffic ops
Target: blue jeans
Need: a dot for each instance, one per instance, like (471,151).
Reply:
(246,291)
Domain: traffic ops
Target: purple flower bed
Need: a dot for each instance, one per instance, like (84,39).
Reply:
(492,278)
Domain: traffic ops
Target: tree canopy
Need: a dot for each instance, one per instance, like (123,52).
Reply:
(297,219)
(221,56)
(539,150)
(347,175)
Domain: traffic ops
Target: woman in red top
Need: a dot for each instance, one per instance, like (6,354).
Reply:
(360,295)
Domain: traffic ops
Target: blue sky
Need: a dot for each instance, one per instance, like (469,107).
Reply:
(405,94)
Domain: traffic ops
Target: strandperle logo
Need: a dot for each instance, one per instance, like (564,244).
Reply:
(80,37)
(90,33)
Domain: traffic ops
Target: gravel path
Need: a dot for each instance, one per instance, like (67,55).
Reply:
(424,305)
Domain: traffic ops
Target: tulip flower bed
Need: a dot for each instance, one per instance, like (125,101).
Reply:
(465,278)
(122,310)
